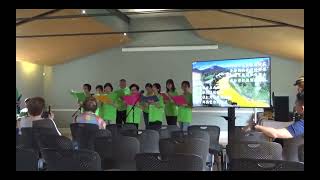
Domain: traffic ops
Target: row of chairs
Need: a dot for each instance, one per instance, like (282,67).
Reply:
(58,153)
(254,152)
(78,130)
(125,147)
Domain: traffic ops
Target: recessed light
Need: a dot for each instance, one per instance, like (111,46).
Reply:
(125,34)
(83,11)
(148,10)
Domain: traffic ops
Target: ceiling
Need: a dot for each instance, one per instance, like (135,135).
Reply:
(57,50)
(286,42)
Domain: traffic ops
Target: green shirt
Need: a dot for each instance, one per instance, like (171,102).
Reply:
(86,95)
(109,112)
(99,111)
(146,110)
(185,113)
(137,115)
(155,113)
(120,103)
(171,108)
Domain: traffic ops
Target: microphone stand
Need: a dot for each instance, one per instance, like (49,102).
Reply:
(73,115)
(132,108)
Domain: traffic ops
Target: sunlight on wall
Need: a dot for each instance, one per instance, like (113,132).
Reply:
(27,67)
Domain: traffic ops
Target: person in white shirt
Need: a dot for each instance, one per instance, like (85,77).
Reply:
(35,108)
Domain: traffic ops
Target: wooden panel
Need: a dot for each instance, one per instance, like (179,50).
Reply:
(51,51)
(25,13)
(281,41)
(57,50)
(290,16)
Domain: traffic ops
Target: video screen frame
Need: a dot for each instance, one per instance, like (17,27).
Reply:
(236,59)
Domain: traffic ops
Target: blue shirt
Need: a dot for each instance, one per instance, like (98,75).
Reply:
(297,128)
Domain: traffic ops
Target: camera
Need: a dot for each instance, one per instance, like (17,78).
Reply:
(46,114)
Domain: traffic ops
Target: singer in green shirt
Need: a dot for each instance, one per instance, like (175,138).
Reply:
(171,109)
(109,110)
(99,91)
(185,111)
(134,115)
(156,109)
(86,89)
(121,106)
(145,106)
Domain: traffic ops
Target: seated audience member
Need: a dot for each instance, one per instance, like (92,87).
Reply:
(89,116)
(36,107)
(300,84)
(24,118)
(300,89)
(294,130)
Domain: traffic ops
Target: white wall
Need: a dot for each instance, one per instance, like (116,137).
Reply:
(29,79)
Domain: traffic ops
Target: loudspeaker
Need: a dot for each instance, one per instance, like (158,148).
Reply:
(281,108)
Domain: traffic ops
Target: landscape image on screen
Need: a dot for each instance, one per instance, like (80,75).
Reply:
(225,83)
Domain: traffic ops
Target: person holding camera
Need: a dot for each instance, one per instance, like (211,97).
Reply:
(36,106)
(294,130)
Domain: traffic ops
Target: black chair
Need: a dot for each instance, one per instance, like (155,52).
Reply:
(301,153)
(185,162)
(114,129)
(265,165)
(192,134)
(175,162)
(130,132)
(291,148)
(72,160)
(103,146)
(45,126)
(214,148)
(214,133)
(84,134)
(103,133)
(149,139)
(26,159)
(200,134)
(26,138)
(42,127)
(167,147)
(55,142)
(185,145)
(151,162)
(128,126)
(124,150)
(249,136)
(165,131)
(178,134)
(255,150)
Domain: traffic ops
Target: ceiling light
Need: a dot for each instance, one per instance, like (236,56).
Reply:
(125,34)
(147,10)
(83,11)
(170,48)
